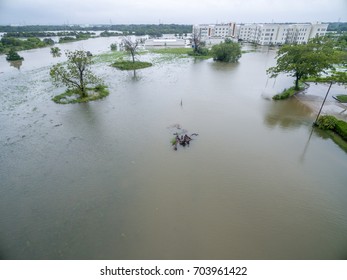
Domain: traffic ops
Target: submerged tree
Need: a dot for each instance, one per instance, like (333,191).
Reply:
(302,61)
(13,56)
(196,39)
(228,51)
(55,51)
(76,75)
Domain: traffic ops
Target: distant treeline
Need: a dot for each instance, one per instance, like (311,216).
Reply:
(337,26)
(135,29)
(24,34)
(14,43)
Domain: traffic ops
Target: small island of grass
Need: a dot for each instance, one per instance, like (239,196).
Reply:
(72,96)
(130,65)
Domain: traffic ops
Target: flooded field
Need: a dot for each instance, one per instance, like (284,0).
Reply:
(101,180)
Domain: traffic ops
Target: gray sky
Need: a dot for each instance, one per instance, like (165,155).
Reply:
(169,11)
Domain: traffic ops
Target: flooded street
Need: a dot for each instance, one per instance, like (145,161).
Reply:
(101,180)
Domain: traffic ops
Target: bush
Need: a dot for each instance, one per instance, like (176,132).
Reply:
(13,56)
(226,52)
(341,129)
(327,122)
(202,51)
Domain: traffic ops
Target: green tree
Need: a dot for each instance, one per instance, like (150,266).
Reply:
(228,51)
(13,56)
(55,51)
(76,74)
(302,61)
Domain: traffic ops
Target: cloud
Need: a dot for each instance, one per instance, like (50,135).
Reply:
(169,11)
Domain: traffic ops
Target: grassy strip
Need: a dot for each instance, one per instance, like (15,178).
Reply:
(129,65)
(337,139)
(342,98)
(108,57)
(331,123)
(286,93)
(181,52)
(336,129)
(177,51)
(72,96)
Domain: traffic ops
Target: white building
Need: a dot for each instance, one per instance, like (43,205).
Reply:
(222,30)
(278,33)
(165,42)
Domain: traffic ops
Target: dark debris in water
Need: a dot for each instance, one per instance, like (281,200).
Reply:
(181,136)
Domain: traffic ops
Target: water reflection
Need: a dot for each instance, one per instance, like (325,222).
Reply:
(286,114)
(16,64)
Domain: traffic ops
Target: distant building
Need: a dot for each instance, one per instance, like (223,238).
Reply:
(222,30)
(278,33)
(165,42)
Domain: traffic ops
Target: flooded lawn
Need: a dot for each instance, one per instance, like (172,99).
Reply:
(101,180)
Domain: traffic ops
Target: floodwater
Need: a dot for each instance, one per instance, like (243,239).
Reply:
(101,180)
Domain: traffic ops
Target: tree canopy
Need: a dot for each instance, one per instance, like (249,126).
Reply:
(228,51)
(13,56)
(302,61)
(76,74)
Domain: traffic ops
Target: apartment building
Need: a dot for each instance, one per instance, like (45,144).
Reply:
(278,33)
(222,30)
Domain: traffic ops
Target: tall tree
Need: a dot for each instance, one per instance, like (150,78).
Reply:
(302,61)
(76,74)
(197,42)
(131,46)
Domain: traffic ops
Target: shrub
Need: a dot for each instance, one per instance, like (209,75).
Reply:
(341,129)
(13,56)
(327,122)
(226,52)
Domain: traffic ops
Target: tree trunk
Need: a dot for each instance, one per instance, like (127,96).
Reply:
(297,78)
(82,86)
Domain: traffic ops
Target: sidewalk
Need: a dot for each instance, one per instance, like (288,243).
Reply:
(313,98)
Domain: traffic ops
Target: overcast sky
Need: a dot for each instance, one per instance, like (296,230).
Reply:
(169,11)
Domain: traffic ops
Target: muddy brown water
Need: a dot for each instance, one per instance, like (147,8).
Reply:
(101,181)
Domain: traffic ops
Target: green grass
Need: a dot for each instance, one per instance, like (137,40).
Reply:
(72,96)
(286,93)
(176,51)
(180,52)
(337,139)
(342,98)
(335,128)
(108,57)
(129,65)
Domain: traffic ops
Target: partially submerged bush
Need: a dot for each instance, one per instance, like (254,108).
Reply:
(327,122)
(341,129)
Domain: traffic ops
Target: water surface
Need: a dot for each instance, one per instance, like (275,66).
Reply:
(100,180)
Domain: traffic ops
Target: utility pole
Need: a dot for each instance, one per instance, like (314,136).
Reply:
(325,98)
